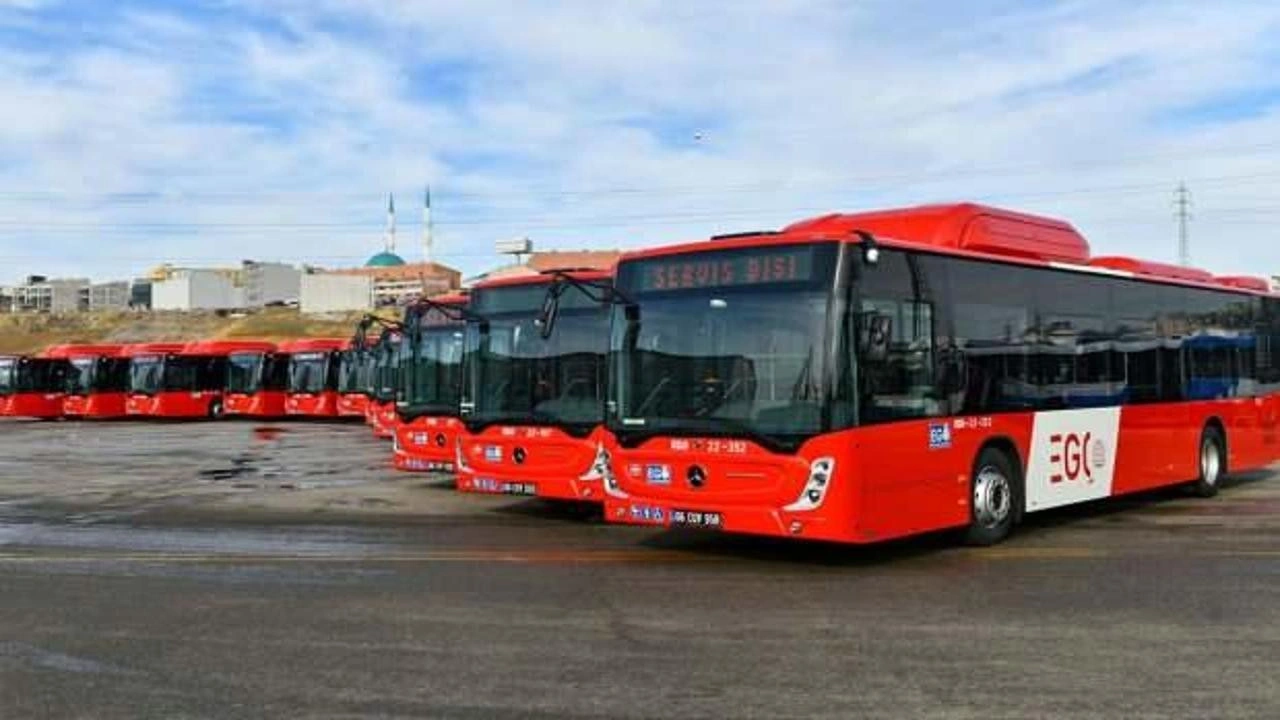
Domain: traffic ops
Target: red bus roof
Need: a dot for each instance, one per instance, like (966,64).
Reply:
(82,350)
(962,226)
(1152,269)
(966,230)
(453,298)
(154,348)
(1246,282)
(543,278)
(313,345)
(226,347)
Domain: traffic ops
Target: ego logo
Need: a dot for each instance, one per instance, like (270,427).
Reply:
(1075,456)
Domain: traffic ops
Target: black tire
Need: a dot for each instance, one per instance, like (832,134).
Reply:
(1211,462)
(215,410)
(995,498)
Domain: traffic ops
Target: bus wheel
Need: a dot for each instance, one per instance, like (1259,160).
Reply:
(994,497)
(215,410)
(1213,462)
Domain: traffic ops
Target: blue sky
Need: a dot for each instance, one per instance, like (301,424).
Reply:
(139,131)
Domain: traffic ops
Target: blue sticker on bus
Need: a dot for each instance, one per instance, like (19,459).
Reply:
(939,436)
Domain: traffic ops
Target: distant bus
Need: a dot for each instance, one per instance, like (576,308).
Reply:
(32,386)
(355,379)
(381,409)
(427,424)
(257,379)
(97,384)
(313,376)
(176,380)
(864,377)
(532,406)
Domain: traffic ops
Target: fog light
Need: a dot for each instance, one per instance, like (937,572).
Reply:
(796,527)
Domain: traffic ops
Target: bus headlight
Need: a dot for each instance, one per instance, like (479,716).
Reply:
(815,489)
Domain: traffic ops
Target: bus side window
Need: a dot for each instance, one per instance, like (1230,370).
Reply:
(992,312)
(895,341)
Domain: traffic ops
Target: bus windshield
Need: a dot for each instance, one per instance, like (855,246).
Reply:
(146,374)
(8,373)
(81,378)
(724,343)
(516,375)
(353,372)
(385,368)
(244,372)
(433,369)
(307,373)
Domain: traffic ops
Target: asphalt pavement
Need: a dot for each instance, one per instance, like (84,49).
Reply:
(135,588)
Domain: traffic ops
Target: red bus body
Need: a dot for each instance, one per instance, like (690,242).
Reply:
(426,430)
(257,378)
(158,390)
(313,376)
(353,405)
(99,382)
(355,369)
(546,459)
(381,416)
(33,386)
(909,461)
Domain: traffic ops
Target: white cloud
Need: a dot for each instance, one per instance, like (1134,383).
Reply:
(573,122)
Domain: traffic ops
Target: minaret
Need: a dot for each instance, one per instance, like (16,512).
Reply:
(391,223)
(426,225)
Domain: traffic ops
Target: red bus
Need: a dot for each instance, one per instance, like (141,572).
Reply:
(381,409)
(257,379)
(32,386)
(427,420)
(313,376)
(177,380)
(355,369)
(863,377)
(532,405)
(97,381)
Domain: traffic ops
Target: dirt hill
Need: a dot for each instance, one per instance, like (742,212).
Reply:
(21,333)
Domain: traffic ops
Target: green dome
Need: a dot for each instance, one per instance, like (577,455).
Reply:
(385,259)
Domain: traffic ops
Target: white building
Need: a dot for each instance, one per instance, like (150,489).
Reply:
(109,295)
(41,294)
(267,283)
(329,292)
(193,289)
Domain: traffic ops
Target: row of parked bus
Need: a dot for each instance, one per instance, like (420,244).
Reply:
(852,377)
(205,379)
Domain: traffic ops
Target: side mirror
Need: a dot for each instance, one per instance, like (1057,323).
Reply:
(874,336)
(546,318)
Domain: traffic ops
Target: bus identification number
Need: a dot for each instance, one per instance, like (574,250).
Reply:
(711,445)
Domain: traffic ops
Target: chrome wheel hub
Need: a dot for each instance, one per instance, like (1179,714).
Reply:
(1210,463)
(992,497)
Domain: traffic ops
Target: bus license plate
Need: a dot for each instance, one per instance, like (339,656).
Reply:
(697,518)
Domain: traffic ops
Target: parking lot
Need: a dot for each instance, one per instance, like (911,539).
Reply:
(238,569)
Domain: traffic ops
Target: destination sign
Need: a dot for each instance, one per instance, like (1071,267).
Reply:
(763,266)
